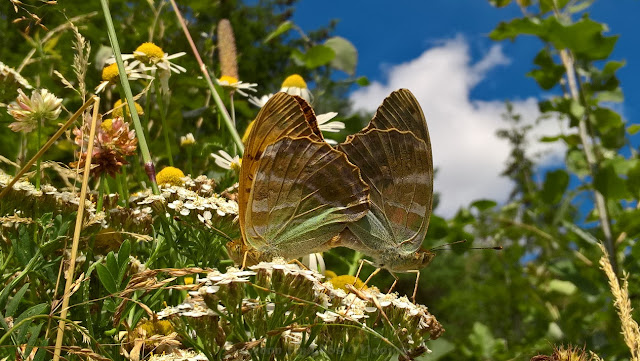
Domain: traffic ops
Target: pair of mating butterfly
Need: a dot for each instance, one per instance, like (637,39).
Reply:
(373,193)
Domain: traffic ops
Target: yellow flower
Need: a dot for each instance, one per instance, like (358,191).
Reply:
(187,140)
(149,53)
(107,124)
(110,73)
(294,80)
(234,84)
(188,280)
(342,281)
(170,175)
(118,109)
(295,85)
(228,79)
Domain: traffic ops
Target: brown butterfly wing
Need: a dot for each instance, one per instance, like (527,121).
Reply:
(304,194)
(401,111)
(283,115)
(398,168)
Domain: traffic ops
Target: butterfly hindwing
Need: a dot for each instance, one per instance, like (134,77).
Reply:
(283,115)
(304,193)
(398,168)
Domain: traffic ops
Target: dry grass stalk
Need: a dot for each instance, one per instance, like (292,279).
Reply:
(76,234)
(227,50)
(622,303)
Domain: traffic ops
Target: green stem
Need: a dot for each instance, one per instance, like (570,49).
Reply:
(101,186)
(125,185)
(190,159)
(163,119)
(207,76)
(354,263)
(120,188)
(144,148)
(39,135)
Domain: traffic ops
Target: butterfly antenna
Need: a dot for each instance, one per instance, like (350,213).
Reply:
(439,248)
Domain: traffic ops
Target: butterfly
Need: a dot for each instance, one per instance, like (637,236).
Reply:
(394,156)
(296,193)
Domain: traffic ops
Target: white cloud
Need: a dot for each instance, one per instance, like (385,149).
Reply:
(466,150)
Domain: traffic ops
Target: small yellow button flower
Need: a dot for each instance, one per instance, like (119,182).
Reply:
(110,73)
(295,85)
(170,175)
(149,53)
(107,124)
(118,109)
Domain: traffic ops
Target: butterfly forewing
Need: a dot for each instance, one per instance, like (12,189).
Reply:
(401,111)
(304,194)
(283,115)
(398,168)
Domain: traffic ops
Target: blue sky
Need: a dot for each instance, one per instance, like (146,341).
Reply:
(440,50)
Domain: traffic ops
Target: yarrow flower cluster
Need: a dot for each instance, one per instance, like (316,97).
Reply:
(113,142)
(290,311)
(41,107)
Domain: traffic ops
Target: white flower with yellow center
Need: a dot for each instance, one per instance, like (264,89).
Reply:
(110,74)
(295,85)
(260,102)
(187,140)
(226,161)
(236,85)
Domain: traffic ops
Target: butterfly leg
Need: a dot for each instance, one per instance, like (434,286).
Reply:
(363,261)
(244,259)
(395,282)
(415,288)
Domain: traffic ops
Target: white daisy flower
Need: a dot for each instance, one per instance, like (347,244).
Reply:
(295,85)
(110,74)
(260,102)
(224,160)
(236,85)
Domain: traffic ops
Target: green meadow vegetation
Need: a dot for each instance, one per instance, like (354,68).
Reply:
(119,231)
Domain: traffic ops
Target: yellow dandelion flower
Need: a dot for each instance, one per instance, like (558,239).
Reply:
(118,109)
(170,175)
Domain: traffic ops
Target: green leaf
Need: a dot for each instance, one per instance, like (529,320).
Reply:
(281,29)
(318,55)
(112,264)
(633,180)
(38,309)
(610,127)
(584,37)
(549,73)
(563,287)
(483,204)
(106,278)
(555,184)
(614,96)
(346,55)
(363,81)
(12,306)
(123,259)
(439,348)
(633,129)
(577,163)
(609,184)
(499,3)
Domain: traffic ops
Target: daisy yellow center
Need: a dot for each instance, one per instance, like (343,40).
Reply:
(342,281)
(151,52)
(118,109)
(236,166)
(294,81)
(228,79)
(110,73)
(107,124)
(170,175)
